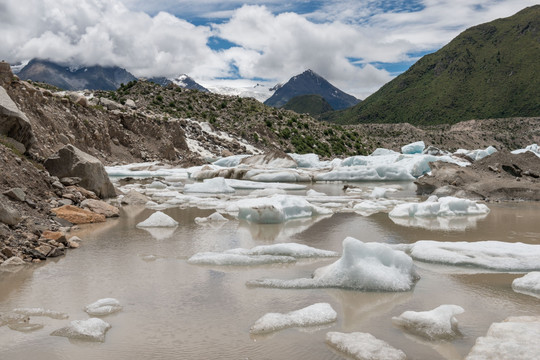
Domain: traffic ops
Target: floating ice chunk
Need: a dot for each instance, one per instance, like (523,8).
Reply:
(366,173)
(363,346)
(383,151)
(246,184)
(363,266)
(103,307)
(492,255)
(259,255)
(268,175)
(307,160)
(445,206)
(93,329)
(528,284)
(156,185)
(413,148)
(515,338)
(448,223)
(313,315)
(313,193)
(287,249)
(439,323)
(267,192)
(232,259)
(158,219)
(277,209)
(41,312)
(215,217)
(370,207)
(211,186)
(381,192)
(534,148)
(230,161)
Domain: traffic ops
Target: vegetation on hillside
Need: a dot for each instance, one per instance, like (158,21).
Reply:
(488,71)
(246,118)
(308,104)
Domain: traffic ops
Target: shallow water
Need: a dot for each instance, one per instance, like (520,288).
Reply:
(174,310)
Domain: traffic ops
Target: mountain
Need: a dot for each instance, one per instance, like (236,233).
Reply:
(309,83)
(160,80)
(308,104)
(64,77)
(186,82)
(488,71)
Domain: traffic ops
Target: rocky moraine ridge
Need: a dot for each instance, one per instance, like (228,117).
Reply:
(53,146)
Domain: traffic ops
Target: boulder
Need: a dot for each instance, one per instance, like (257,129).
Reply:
(133,197)
(13,261)
(131,104)
(72,162)
(5,73)
(101,207)
(8,215)
(13,122)
(16,194)
(76,215)
(110,105)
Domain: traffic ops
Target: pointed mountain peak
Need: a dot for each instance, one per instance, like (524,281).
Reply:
(310,83)
(186,82)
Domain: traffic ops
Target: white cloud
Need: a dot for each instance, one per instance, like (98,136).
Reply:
(339,39)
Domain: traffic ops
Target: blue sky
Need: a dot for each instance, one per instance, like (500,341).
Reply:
(358,45)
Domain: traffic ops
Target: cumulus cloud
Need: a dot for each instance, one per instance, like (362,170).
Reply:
(342,40)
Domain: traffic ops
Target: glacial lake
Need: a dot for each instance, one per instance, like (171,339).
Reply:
(175,310)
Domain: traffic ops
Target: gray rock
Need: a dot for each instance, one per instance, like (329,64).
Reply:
(65,202)
(110,105)
(134,197)
(100,207)
(67,181)
(13,261)
(16,194)
(8,215)
(58,185)
(131,104)
(16,145)
(63,139)
(72,162)
(13,122)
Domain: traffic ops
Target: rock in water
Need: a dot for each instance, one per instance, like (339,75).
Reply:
(13,122)
(72,162)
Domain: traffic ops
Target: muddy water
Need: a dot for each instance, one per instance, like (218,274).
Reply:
(174,310)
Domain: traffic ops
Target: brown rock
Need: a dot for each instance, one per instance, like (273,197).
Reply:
(77,215)
(44,249)
(54,235)
(101,207)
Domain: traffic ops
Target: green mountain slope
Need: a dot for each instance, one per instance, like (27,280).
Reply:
(488,71)
(308,104)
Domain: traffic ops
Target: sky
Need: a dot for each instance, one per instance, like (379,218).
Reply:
(357,45)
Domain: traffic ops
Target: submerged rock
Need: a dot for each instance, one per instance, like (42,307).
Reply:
(93,329)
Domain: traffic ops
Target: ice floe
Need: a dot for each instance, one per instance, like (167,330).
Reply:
(439,323)
(93,329)
(260,255)
(214,217)
(209,186)
(448,223)
(515,338)
(276,209)
(41,312)
(489,255)
(158,219)
(362,266)
(313,315)
(528,284)
(254,185)
(103,307)
(230,161)
(413,148)
(478,153)
(363,346)
(364,173)
(444,206)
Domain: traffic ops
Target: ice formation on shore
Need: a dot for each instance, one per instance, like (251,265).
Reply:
(444,206)
(515,338)
(528,284)
(363,266)
(93,329)
(214,217)
(490,255)
(363,346)
(313,315)
(534,148)
(103,307)
(439,323)
(158,219)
